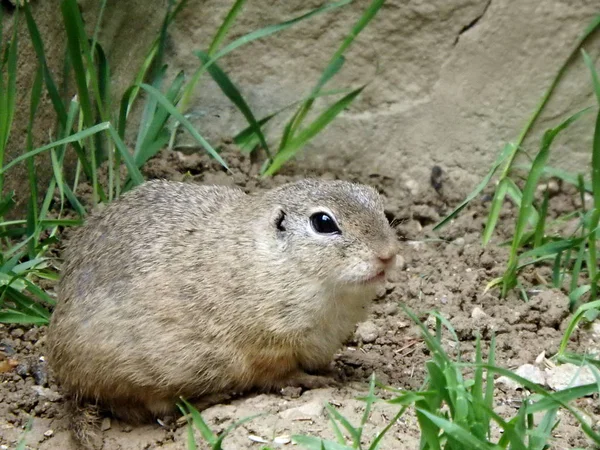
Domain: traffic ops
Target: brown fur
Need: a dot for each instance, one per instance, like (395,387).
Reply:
(178,289)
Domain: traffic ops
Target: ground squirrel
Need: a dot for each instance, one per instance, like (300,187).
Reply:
(178,289)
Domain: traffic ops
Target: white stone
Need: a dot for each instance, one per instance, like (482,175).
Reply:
(310,410)
(568,375)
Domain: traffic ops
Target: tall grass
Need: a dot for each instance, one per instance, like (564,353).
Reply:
(295,134)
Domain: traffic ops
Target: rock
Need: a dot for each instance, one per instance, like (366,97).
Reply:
(532,373)
(105,425)
(49,433)
(507,384)
(40,373)
(412,186)
(459,241)
(46,393)
(528,371)
(478,314)
(17,333)
(282,440)
(394,274)
(367,332)
(568,375)
(257,439)
(400,263)
(312,409)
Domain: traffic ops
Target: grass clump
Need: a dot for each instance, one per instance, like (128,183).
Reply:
(573,257)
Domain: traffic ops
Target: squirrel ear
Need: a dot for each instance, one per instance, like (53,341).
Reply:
(278,218)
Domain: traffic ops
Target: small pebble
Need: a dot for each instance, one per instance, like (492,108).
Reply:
(17,333)
(257,439)
(105,425)
(460,241)
(49,394)
(478,313)
(282,440)
(49,433)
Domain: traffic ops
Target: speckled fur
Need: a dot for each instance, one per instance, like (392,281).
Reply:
(179,289)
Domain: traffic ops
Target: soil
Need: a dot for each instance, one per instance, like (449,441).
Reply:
(445,271)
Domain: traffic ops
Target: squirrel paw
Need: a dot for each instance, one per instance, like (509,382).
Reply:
(307,381)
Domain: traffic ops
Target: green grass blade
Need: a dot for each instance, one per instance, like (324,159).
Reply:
(182,120)
(225,26)
(494,213)
(74,40)
(10,316)
(552,248)
(526,208)
(561,398)
(593,260)
(245,138)
(561,174)
(324,119)
(314,443)
(258,34)
(506,151)
(8,91)
(577,268)
(53,92)
(296,121)
(575,319)
(540,228)
(155,139)
(337,431)
(149,111)
(233,94)
(595,79)
(70,139)
(199,423)
(7,203)
(334,413)
(456,432)
(149,60)
(369,400)
(26,305)
(334,65)
(134,172)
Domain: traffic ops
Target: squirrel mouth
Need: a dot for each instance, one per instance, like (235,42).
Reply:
(378,278)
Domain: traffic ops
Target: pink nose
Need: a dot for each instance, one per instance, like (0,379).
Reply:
(387,259)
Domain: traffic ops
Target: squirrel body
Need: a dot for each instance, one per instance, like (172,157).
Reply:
(182,290)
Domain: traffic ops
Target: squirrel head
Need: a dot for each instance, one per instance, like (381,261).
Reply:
(334,232)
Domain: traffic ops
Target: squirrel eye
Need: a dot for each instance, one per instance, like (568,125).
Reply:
(324,224)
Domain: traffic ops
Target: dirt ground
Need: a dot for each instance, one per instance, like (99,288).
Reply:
(445,271)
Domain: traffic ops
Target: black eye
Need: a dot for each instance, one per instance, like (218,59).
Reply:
(324,224)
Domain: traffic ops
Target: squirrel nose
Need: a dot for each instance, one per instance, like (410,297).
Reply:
(387,258)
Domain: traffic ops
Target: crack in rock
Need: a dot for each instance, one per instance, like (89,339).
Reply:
(473,22)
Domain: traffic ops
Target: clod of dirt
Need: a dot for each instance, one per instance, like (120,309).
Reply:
(367,332)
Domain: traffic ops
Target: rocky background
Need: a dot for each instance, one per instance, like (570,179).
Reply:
(452,80)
